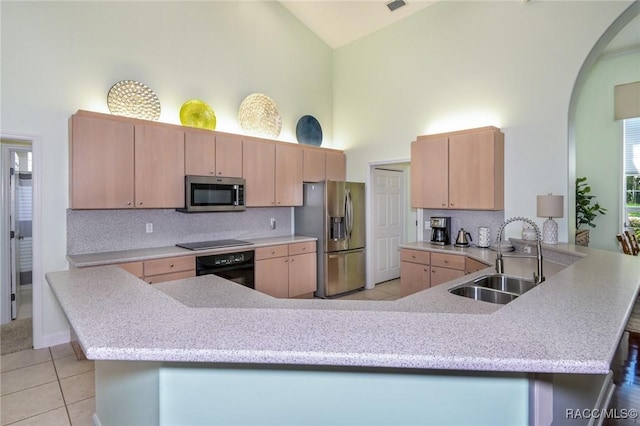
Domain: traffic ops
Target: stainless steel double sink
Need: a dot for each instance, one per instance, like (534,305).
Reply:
(494,288)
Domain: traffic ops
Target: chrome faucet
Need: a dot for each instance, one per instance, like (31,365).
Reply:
(537,277)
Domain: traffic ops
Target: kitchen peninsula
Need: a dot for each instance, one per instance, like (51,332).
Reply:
(202,350)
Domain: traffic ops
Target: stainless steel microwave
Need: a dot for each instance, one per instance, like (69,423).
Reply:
(213,194)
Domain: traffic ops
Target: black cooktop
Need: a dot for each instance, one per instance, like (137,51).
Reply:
(206,245)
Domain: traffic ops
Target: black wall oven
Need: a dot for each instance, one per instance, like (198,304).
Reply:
(237,267)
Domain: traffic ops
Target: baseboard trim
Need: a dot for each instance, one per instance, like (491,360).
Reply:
(55,339)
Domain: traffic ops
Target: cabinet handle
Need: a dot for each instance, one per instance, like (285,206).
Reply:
(413,256)
(446,261)
(452,204)
(444,205)
(128,203)
(220,173)
(171,266)
(212,173)
(140,203)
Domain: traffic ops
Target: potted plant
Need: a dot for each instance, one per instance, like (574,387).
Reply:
(587,209)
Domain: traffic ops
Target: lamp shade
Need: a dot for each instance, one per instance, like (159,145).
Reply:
(550,205)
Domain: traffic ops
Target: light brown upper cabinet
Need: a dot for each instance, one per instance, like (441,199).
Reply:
(259,170)
(335,166)
(101,163)
(119,163)
(159,167)
(209,154)
(459,170)
(273,173)
(288,175)
(319,165)
(313,165)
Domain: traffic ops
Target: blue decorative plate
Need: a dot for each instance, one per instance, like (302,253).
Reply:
(308,131)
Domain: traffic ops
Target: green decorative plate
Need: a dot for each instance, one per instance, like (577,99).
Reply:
(196,113)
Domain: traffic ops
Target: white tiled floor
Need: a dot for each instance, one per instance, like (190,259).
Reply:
(388,290)
(50,387)
(46,387)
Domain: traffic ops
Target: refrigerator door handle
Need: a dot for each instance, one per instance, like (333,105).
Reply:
(349,215)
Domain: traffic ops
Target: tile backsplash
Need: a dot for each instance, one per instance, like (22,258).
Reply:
(470,220)
(92,231)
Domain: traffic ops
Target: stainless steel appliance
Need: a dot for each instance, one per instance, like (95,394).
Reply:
(441,231)
(463,238)
(207,245)
(213,194)
(334,213)
(236,267)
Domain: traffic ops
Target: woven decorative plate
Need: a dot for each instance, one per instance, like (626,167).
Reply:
(133,99)
(196,113)
(308,131)
(259,116)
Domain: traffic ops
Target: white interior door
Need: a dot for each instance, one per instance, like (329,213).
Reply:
(13,245)
(388,223)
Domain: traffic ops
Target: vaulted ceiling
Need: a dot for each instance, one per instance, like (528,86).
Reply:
(338,22)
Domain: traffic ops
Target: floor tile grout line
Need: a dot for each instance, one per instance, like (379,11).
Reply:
(64,399)
(30,417)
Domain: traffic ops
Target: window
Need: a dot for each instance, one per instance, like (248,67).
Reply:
(631,134)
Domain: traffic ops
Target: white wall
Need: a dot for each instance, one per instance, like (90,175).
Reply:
(58,57)
(460,65)
(599,142)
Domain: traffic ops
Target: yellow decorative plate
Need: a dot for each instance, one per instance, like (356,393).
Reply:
(196,113)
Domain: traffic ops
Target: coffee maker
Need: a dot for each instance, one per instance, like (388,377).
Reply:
(441,231)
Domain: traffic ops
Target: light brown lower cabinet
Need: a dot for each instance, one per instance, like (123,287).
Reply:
(421,269)
(415,271)
(287,270)
(160,270)
(472,265)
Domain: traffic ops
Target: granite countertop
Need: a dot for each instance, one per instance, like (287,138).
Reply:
(571,323)
(123,256)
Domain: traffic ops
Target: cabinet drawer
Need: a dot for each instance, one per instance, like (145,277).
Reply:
(302,248)
(415,256)
(271,252)
(169,265)
(155,279)
(447,260)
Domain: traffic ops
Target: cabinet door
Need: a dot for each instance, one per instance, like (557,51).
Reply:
(101,163)
(199,153)
(472,265)
(430,173)
(475,165)
(313,165)
(272,276)
(159,167)
(414,277)
(335,166)
(258,168)
(288,175)
(442,275)
(302,274)
(228,156)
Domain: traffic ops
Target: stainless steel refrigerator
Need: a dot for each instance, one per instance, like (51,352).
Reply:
(334,213)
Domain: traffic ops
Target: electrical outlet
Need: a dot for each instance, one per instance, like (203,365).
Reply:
(149,228)
(527,249)
(427,225)
(272,222)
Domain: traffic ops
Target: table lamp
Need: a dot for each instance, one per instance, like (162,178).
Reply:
(550,206)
